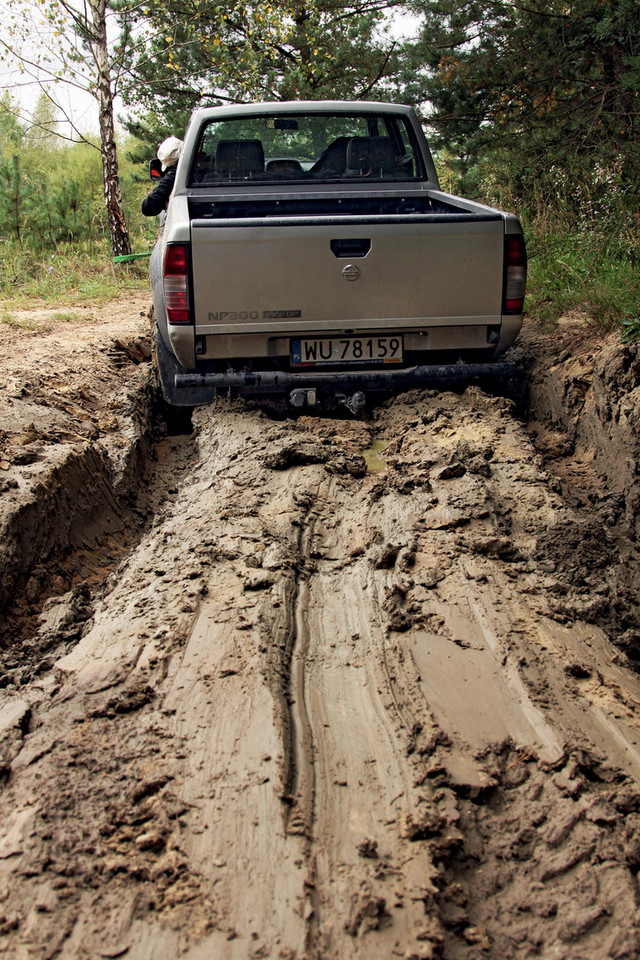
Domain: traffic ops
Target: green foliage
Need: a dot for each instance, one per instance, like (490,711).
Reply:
(532,88)
(581,272)
(535,107)
(199,53)
(11,130)
(15,193)
(631,328)
(51,191)
(583,242)
(59,40)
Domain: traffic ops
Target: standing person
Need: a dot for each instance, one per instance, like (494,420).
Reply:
(157,200)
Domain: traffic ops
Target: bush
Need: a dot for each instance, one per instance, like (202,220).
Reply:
(583,243)
(581,270)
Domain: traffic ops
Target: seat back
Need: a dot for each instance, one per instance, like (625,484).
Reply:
(371,157)
(239,159)
(283,168)
(332,162)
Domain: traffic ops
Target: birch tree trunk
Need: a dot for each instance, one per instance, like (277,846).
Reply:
(120,241)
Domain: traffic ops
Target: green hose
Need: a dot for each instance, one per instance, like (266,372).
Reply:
(132,256)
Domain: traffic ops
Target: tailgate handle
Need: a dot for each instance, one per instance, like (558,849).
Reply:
(349,249)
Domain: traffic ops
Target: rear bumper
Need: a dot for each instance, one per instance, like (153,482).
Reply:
(260,383)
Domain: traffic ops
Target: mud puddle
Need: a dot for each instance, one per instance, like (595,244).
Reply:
(374,456)
(354,689)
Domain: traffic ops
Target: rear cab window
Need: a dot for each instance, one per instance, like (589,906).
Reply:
(320,147)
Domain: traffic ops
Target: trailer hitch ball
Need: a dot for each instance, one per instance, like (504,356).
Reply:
(302,395)
(356,403)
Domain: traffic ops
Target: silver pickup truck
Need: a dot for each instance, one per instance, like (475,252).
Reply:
(308,252)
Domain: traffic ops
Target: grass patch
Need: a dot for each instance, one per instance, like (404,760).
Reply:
(70,275)
(583,243)
(28,323)
(66,318)
(40,324)
(582,271)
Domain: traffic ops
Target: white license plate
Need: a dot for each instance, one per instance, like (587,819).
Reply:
(352,350)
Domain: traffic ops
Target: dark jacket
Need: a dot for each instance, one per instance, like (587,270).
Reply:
(158,199)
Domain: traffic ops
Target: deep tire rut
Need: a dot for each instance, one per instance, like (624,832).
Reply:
(325,712)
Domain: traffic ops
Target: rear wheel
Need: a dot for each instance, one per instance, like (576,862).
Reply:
(167,367)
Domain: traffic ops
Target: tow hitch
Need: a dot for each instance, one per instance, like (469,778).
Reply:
(308,396)
(355,404)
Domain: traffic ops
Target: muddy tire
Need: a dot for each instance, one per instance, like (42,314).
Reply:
(167,367)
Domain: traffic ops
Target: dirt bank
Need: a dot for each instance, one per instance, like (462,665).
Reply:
(75,403)
(349,689)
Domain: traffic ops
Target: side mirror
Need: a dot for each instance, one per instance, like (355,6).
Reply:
(155,169)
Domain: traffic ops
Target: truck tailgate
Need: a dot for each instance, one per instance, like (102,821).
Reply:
(297,273)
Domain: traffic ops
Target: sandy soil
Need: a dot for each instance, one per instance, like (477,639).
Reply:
(318,688)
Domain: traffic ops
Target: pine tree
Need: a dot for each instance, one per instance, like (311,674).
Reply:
(199,52)
(534,85)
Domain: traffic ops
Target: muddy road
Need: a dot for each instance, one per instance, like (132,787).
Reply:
(319,688)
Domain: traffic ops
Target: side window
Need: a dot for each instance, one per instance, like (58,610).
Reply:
(204,162)
(406,148)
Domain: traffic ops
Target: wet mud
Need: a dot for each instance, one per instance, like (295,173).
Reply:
(344,688)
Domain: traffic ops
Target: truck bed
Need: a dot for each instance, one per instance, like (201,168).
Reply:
(308,205)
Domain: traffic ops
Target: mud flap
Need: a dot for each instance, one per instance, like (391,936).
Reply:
(168,367)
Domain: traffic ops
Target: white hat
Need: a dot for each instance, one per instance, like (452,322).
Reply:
(169,151)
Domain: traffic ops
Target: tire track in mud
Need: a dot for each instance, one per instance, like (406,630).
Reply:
(76,509)
(300,775)
(345,735)
(325,712)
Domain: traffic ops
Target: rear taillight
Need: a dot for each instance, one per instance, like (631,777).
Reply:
(515,273)
(175,275)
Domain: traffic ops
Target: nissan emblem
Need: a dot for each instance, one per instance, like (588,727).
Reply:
(351,272)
